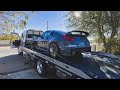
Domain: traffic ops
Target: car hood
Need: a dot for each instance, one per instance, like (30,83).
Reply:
(100,66)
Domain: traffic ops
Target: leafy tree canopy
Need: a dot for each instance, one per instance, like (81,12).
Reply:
(10,20)
(103,24)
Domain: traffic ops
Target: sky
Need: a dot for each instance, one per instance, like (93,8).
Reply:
(38,21)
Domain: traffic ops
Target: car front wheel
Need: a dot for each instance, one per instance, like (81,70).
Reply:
(53,49)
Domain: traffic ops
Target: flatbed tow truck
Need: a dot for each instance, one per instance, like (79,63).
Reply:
(93,65)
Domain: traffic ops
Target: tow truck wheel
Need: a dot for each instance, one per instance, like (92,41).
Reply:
(19,52)
(41,68)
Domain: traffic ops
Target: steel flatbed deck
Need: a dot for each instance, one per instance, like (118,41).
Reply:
(87,67)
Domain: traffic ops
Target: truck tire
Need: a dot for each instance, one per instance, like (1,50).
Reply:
(19,52)
(41,68)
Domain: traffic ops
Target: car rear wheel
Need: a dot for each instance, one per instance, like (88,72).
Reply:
(78,55)
(54,50)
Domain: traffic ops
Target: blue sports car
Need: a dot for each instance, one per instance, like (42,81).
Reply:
(63,43)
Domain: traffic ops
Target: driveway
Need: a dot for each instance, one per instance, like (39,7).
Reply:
(24,74)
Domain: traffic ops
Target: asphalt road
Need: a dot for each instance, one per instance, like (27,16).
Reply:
(12,66)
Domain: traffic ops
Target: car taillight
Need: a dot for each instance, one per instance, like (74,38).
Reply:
(68,38)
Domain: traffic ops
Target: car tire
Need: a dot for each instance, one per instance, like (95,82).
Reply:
(41,68)
(78,55)
(54,50)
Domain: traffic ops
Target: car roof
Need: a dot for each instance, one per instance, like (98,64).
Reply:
(59,31)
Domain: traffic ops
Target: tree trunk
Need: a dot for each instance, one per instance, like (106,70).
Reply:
(113,24)
(101,35)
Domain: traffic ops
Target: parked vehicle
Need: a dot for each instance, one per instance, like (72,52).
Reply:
(28,37)
(63,43)
(17,37)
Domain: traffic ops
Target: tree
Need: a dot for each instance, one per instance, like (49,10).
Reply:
(10,20)
(104,24)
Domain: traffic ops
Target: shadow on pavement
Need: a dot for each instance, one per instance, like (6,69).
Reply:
(13,63)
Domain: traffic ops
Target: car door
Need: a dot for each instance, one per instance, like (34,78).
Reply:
(44,42)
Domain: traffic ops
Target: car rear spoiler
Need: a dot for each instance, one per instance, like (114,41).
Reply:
(77,33)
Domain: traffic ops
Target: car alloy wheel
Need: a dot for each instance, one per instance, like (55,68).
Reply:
(53,50)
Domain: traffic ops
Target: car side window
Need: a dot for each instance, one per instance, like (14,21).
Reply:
(46,34)
(54,34)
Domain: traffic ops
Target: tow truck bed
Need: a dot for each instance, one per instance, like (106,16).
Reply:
(91,66)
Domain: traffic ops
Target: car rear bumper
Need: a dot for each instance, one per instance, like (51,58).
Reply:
(70,51)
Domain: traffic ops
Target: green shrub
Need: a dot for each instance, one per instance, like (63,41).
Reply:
(8,37)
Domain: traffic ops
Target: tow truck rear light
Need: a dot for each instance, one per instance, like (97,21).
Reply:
(68,38)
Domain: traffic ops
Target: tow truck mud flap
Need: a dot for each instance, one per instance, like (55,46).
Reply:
(60,64)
